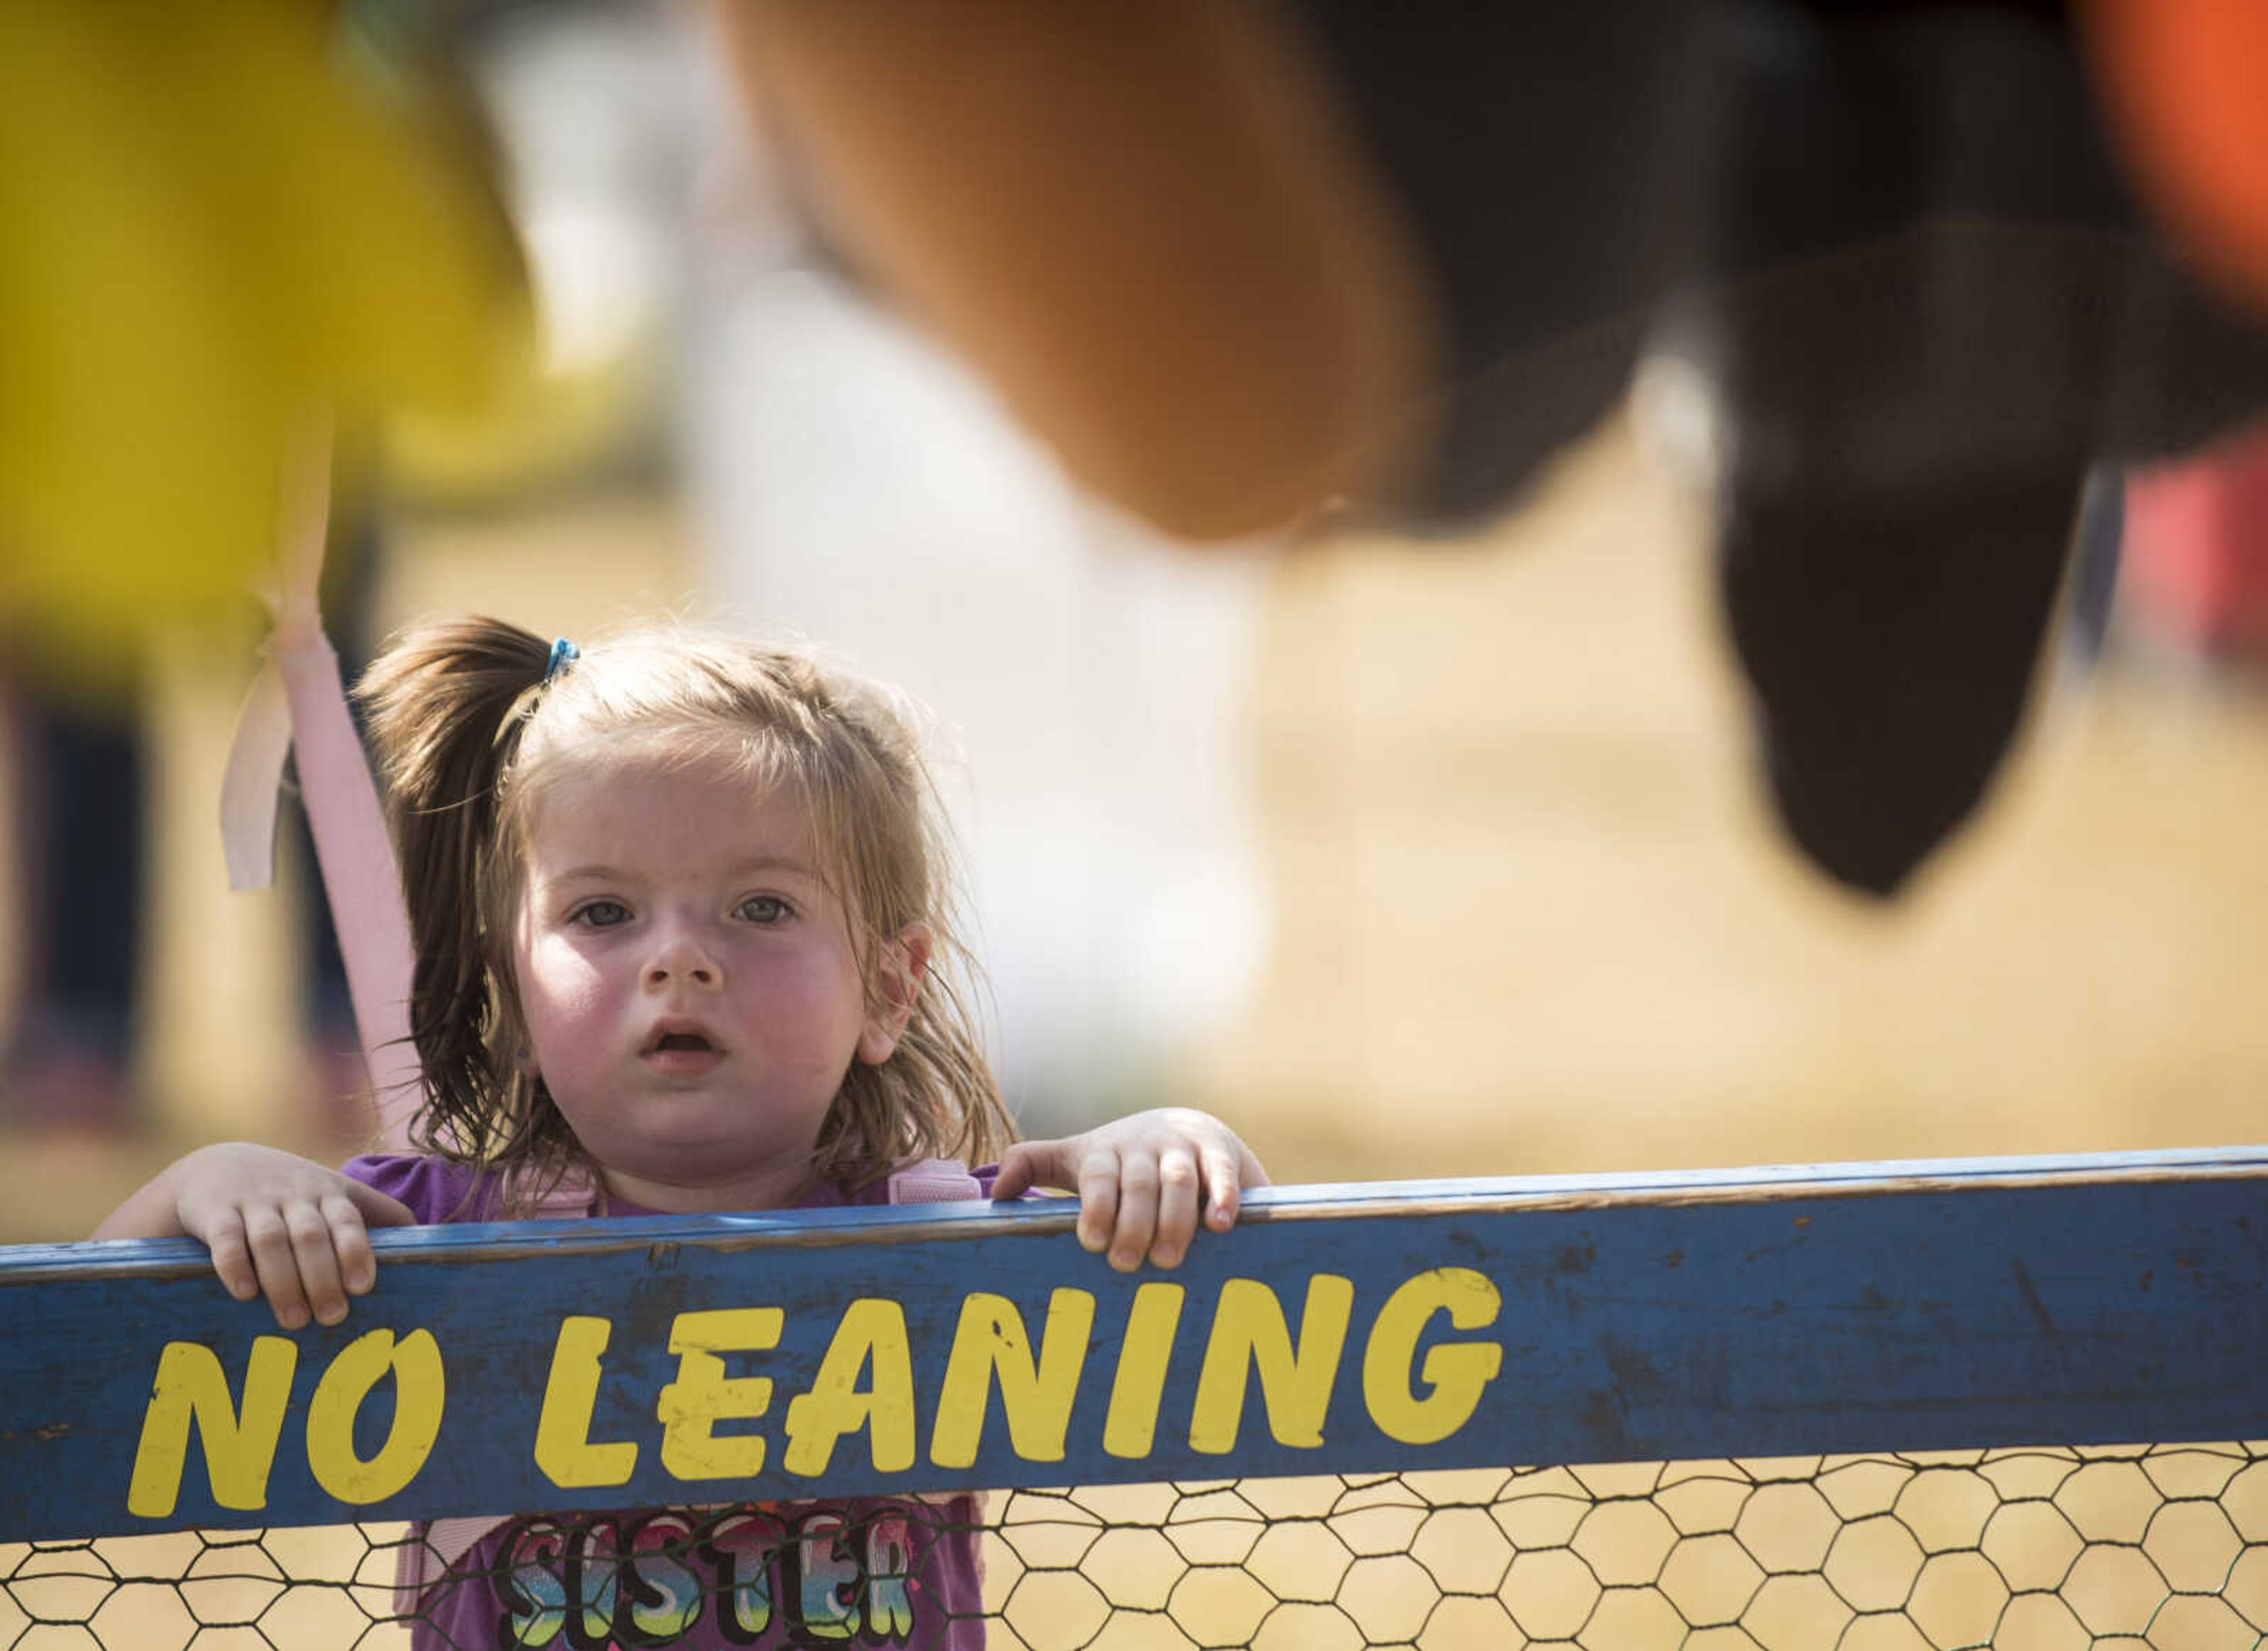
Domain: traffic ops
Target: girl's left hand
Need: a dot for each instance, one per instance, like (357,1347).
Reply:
(1140,1181)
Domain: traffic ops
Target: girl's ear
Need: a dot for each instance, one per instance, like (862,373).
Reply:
(899,966)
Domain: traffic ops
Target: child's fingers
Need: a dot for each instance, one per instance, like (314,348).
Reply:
(350,1242)
(232,1256)
(1030,1164)
(269,1239)
(1223,1184)
(1137,1207)
(315,1255)
(352,1209)
(1092,1171)
(1019,1171)
(1101,1200)
(1178,1205)
(1144,1183)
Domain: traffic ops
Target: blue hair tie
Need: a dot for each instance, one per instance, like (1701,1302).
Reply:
(564,654)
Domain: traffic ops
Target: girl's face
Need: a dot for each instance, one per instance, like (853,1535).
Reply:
(689,981)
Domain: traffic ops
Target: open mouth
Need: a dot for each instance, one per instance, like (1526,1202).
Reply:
(687,1042)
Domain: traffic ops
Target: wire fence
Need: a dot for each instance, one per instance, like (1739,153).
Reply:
(2037,1549)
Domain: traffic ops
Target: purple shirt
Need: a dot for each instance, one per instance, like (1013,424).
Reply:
(866,1571)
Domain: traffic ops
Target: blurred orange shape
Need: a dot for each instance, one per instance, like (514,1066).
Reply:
(2186,82)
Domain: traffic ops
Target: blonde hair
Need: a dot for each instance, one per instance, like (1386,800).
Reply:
(466,728)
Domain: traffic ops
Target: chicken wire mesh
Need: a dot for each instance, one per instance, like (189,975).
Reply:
(2040,1549)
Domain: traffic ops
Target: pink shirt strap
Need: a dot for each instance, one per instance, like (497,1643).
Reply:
(934,1181)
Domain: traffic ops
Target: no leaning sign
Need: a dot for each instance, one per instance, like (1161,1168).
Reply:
(606,1364)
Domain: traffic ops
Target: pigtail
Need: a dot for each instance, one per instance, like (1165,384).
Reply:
(445,704)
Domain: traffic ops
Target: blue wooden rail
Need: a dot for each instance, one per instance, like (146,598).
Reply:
(547,1366)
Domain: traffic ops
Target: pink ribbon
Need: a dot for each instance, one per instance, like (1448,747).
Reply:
(298,701)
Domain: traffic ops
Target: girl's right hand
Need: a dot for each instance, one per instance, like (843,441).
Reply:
(277,1225)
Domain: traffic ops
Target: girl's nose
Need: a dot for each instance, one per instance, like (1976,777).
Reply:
(682,958)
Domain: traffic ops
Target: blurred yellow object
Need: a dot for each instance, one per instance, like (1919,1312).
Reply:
(213,232)
(551,427)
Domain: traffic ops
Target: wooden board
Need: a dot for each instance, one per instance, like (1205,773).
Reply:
(1584,1318)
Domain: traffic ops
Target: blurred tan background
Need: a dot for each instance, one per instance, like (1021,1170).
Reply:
(1529,914)
(1410,860)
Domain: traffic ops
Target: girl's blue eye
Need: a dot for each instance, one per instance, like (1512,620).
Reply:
(764,908)
(601,914)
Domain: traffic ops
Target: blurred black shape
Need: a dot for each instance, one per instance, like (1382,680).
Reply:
(1893,240)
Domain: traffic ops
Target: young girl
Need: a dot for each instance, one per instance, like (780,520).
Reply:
(682,923)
